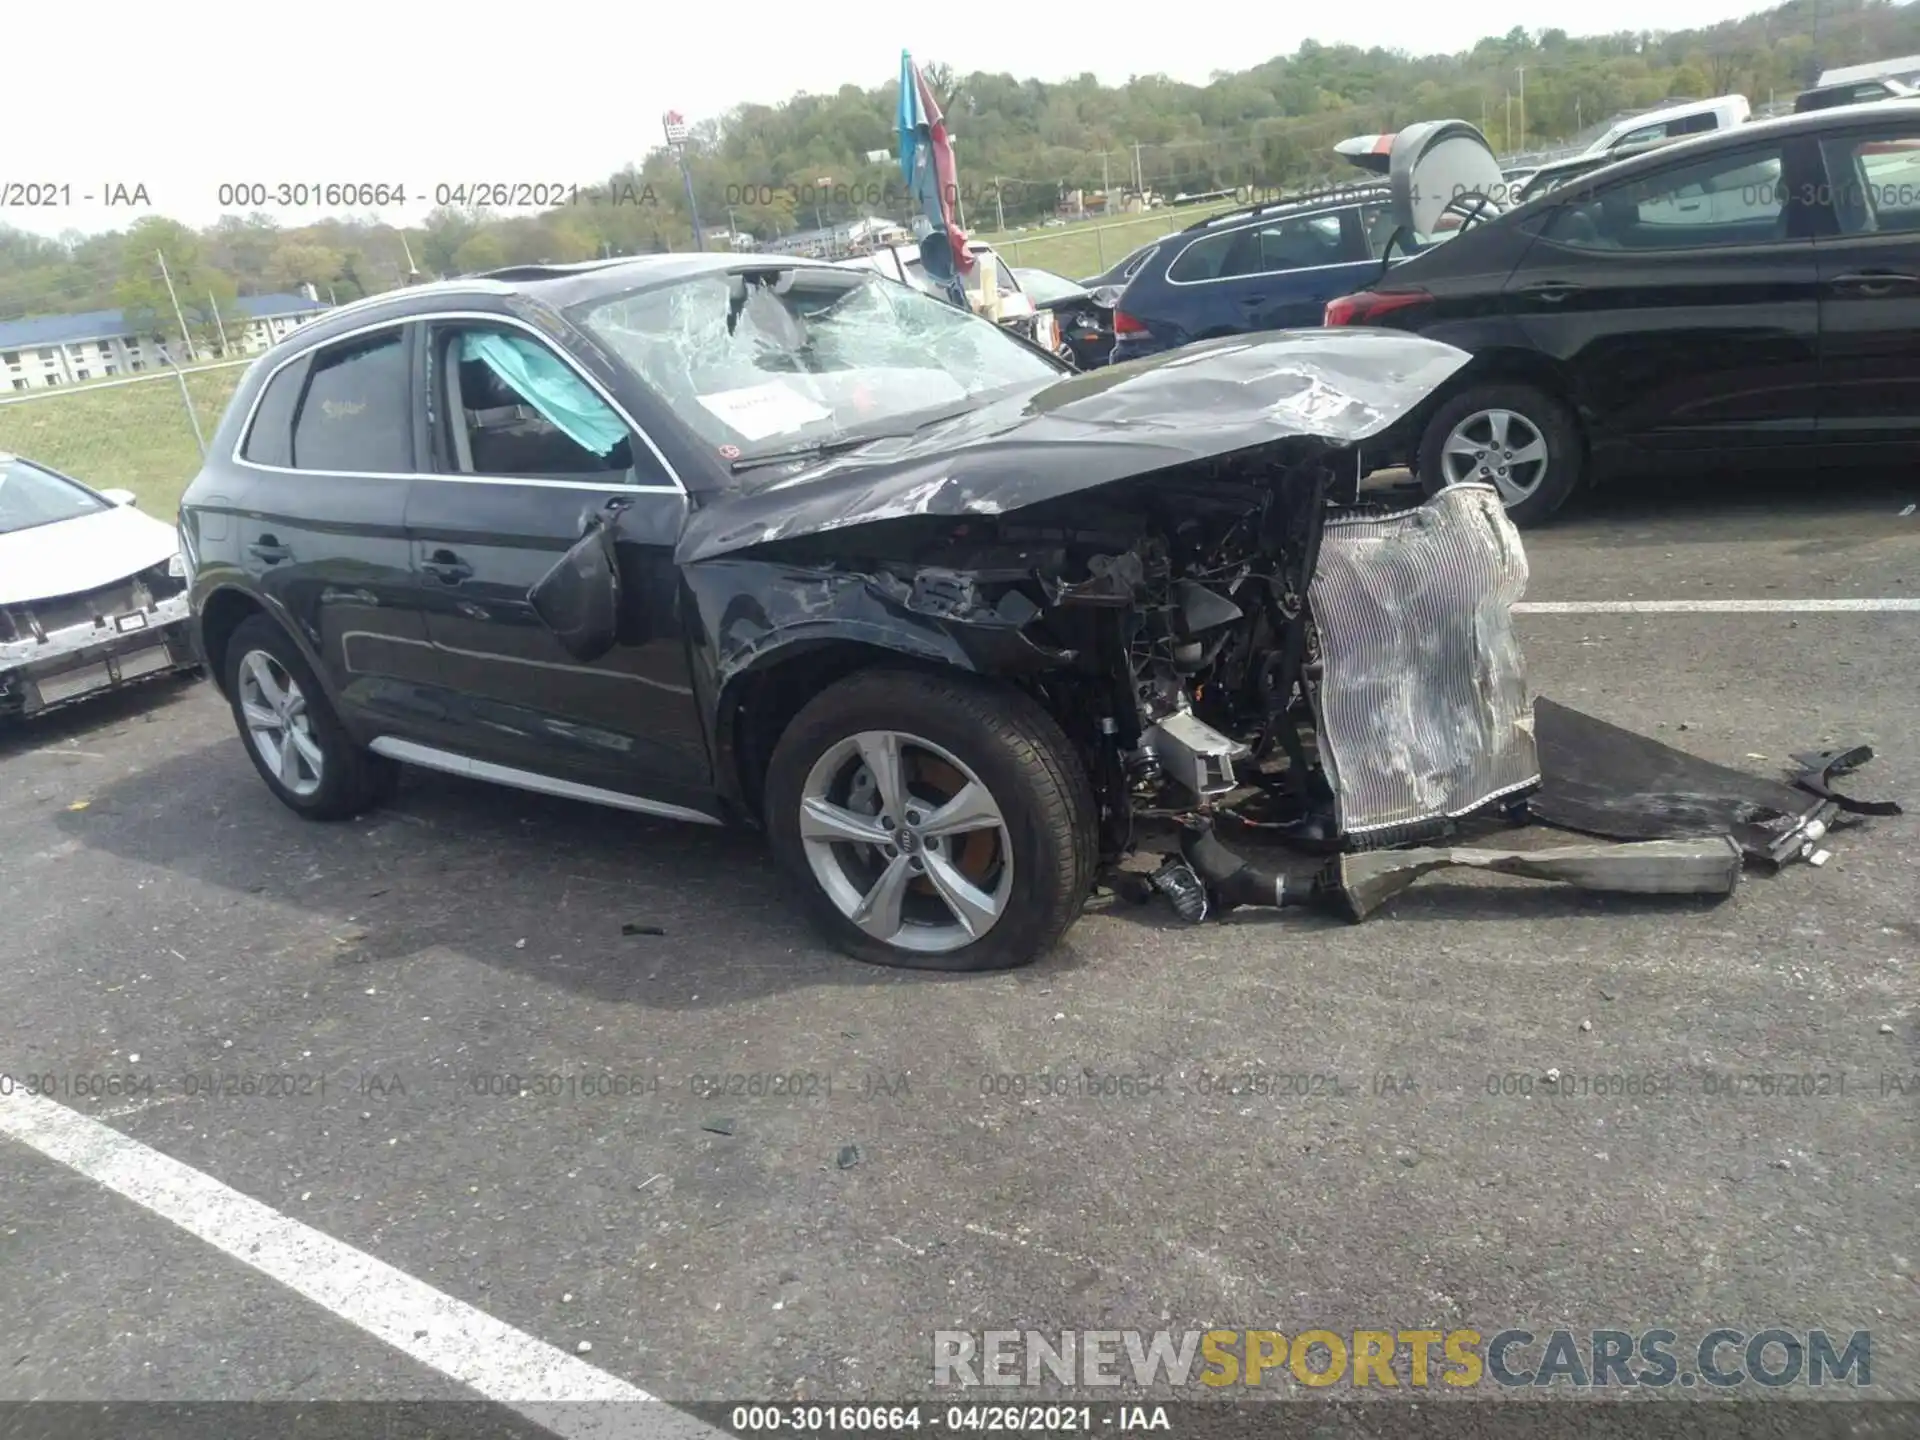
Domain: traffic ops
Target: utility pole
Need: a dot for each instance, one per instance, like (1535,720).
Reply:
(1106,186)
(1523,107)
(214,306)
(999,209)
(185,334)
(1508,136)
(1139,178)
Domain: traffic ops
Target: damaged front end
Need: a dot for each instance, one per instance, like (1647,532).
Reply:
(1189,583)
(1225,636)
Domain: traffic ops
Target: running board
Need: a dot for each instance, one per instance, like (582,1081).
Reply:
(429,758)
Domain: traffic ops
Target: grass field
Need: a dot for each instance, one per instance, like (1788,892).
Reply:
(1077,251)
(135,437)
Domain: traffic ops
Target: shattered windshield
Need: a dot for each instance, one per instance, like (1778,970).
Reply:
(770,359)
(30,496)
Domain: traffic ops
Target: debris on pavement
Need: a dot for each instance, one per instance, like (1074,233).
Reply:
(848,1157)
(634,927)
(717,1127)
(1360,884)
(1602,780)
(1820,768)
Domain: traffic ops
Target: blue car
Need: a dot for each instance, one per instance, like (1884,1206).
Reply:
(1275,266)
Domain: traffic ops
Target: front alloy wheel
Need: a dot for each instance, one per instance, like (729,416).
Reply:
(278,725)
(932,820)
(906,841)
(1500,448)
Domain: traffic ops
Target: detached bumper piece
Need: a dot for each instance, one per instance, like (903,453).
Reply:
(1598,779)
(1359,884)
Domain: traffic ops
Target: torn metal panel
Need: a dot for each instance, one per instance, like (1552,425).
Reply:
(1819,769)
(1423,709)
(1209,400)
(1357,885)
(1600,779)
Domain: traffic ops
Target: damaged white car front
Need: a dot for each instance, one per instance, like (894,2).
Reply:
(93,593)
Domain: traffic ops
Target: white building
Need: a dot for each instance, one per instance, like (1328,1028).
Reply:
(48,350)
(837,242)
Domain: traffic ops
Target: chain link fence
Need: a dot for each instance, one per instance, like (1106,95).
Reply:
(144,433)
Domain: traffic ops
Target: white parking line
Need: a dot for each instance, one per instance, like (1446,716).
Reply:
(1711,607)
(554,1389)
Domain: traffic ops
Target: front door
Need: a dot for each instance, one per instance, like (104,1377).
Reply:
(1684,301)
(526,452)
(1870,284)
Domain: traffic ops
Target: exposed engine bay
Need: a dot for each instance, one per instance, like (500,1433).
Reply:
(1240,643)
(1217,640)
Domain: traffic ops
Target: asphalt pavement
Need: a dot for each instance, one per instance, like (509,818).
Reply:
(328,1020)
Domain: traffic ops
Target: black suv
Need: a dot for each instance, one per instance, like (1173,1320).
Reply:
(772,540)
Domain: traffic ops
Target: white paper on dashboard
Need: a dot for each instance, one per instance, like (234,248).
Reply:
(762,410)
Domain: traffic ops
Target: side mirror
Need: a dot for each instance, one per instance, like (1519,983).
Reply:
(120,497)
(579,598)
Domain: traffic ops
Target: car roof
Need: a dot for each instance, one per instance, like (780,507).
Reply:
(558,286)
(1735,136)
(1333,198)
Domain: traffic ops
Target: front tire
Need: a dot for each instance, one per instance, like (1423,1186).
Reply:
(1514,437)
(932,822)
(291,734)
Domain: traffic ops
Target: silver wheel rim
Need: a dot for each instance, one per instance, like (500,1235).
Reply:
(906,841)
(279,727)
(1501,448)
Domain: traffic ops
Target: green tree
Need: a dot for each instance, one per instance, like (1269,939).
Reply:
(165,280)
(485,250)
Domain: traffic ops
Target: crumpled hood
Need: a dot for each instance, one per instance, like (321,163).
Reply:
(1204,401)
(72,556)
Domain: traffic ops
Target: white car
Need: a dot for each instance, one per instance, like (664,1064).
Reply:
(93,593)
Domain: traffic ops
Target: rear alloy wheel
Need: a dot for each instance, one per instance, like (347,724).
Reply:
(291,733)
(1512,437)
(934,824)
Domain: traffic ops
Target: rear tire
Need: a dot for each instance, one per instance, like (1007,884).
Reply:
(1542,455)
(991,893)
(290,732)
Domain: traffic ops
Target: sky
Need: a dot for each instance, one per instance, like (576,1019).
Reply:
(183,99)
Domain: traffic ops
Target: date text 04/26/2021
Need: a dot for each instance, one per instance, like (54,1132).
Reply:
(966,1419)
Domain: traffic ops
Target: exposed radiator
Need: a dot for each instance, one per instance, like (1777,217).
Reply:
(1423,708)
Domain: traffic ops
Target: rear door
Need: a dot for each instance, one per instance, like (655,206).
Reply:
(329,458)
(1684,300)
(1275,274)
(526,452)
(1870,283)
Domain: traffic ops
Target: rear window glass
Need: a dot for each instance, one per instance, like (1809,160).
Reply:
(1295,243)
(270,441)
(354,416)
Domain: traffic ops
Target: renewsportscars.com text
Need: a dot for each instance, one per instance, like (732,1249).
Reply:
(1512,1358)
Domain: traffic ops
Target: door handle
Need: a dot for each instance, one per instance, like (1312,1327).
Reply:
(269,550)
(447,567)
(1875,282)
(1251,300)
(1550,291)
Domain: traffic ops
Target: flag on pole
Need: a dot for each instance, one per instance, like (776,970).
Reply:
(926,159)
